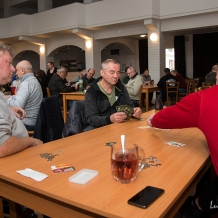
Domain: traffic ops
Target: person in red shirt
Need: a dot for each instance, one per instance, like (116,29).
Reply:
(196,110)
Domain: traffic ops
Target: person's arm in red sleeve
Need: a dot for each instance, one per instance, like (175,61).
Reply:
(182,115)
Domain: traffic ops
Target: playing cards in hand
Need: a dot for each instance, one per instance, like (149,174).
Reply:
(126,109)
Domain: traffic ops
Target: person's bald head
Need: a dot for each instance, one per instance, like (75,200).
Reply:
(23,67)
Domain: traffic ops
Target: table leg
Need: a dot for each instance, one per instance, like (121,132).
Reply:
(65,108)
(147,100)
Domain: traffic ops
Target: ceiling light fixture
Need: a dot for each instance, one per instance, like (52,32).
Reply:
(142,35)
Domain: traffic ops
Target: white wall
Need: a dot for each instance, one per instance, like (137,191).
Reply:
(94,15)
(32,57)
(175,15)
(117,11)
(22,46)
(69,39)
(177,8)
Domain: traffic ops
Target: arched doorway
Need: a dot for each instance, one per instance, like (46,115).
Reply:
(31,56)
(120,52)
(69,56)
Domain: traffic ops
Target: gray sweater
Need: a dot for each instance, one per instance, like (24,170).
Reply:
(29,97)
(133,87)
(9,124)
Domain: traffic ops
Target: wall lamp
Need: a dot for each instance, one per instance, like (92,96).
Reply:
(42,49)
(88,44)
(153,37)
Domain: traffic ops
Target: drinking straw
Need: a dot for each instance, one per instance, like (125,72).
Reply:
(123,137)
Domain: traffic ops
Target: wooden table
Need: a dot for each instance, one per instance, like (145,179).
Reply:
(56,197)
(147,89)
(75,96)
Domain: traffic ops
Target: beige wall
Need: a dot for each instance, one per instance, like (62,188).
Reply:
(175,15)
(105,13)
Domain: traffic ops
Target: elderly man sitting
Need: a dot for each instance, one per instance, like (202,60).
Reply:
(88,79)
(57,84)
(28,95)
(134,84)
(104,95)
(13,134)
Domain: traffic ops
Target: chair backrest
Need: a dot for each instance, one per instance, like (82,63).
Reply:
(205,84)
(49,123)
(172,89)
(203,87)
(141,97)
(48,92)
(188,89)
(75,119)
(31,133)
(195,83)
(189,86)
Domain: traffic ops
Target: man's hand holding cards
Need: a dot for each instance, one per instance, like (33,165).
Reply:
(128,110)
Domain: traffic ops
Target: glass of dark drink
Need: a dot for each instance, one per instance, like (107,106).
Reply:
(126,164)
(13,90)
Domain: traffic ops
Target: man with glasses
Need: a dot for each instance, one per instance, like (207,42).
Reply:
(13,134)
(104,95)
(88,78)
(134,84)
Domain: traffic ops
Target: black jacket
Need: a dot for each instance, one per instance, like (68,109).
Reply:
(162,84)
(57,85)
(75,119)
(49,75)
(49,123)
(97,106)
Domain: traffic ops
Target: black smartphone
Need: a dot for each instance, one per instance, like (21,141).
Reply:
(146,196)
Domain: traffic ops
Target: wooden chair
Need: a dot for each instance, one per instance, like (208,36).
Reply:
(188,89)
(205,84)
(172,89)
(201,88)
(48,92)
(12,209)
(31,133)
(195,83)
(142,98)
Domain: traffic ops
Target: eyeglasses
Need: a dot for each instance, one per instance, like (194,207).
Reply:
(129,73)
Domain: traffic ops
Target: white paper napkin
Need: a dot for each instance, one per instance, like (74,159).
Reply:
(32,174)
